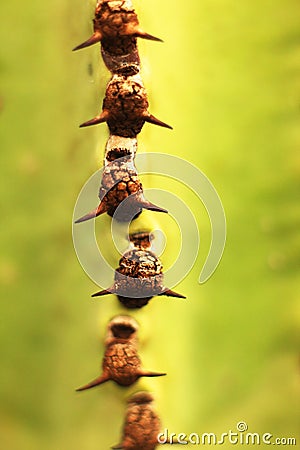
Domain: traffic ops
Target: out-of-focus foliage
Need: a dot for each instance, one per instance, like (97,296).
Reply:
(227,79)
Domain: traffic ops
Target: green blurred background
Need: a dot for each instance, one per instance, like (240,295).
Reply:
(227,79)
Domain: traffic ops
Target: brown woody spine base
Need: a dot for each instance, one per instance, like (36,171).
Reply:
(139,276)
(125,107)
(142,424)
(120,182)
(114,19)
(121,362)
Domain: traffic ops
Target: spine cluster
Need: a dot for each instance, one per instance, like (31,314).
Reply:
(139,276)
(121,362)
(120,183)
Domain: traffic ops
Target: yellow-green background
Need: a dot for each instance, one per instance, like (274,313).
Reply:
(227,79)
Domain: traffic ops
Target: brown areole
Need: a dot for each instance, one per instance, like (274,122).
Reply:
(120,182)
(121,362)
(139,276)
(115,19)
(125,107)
(142,424)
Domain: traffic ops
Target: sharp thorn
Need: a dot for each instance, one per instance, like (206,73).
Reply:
(104,292)
(151,119)
(96,120)
(143,35)
(148,205)
(91,215)
(148,373)
(170,293)
(100,380)
(96,37)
